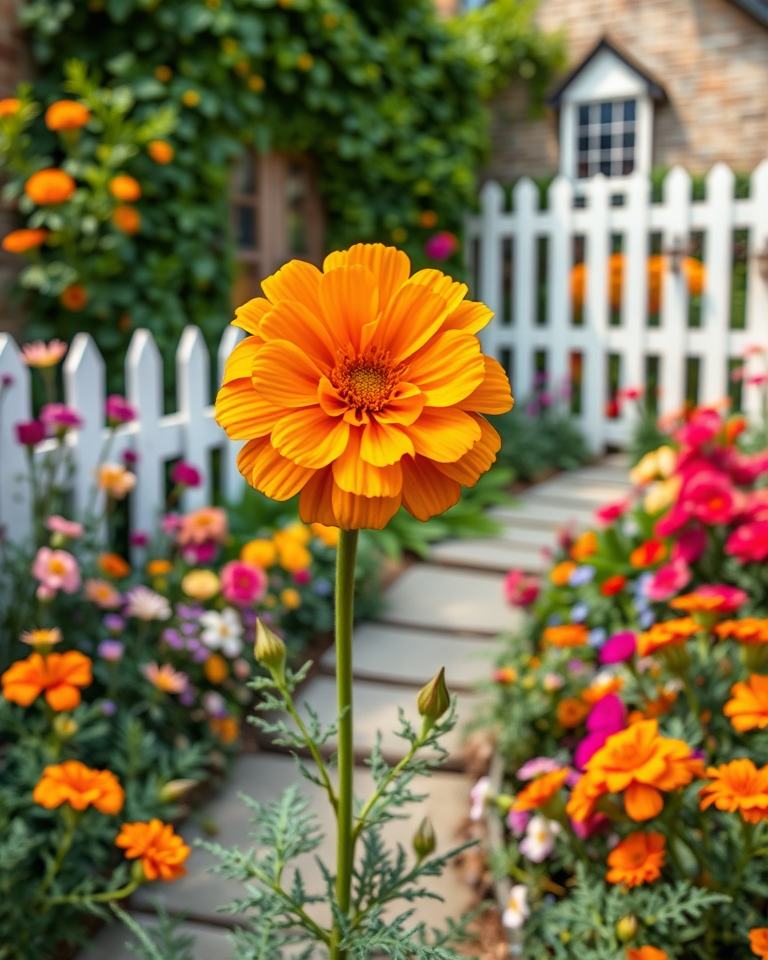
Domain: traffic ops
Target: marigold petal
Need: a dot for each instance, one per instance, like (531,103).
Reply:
(448,368)
(642,801)
(444,433)
(404,406)
(354,512)
(293,321)
(62,697)
(249,316)
(384,443)
(316,500)
(426,490)
(239,365)
(409,319)
(284,375)
(310,437)
(493,395)
(470,316)
(243,413)
(349,300)
(330,400)
(276,476)
(297,280)
(449,289)
(477,461)
(248,455)
(354,475)
(389,266)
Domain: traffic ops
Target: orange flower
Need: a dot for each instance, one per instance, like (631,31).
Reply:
(329,535)
(646,953)
(260,553)
(427,219)
(127,219)
(162,851)
(207,523)
(636,860)
(613,585)
(566,635)
(9,107)
(160,151)
(215,669)
(640,764)
(58,675)
(666,634)
(584,546)
(81,787)
(292,554)
(125,188)
(648,553)
(738,785)
(362,389)
(159,568)
(585,794)
(750,630)
(571,712)
(539,792)
(164,678)
(758,942)
(50,186)
(19,241)
(66,115)
(227,729)
(749,708)
(113,565)
(601,687)
(74,297)
(560,574)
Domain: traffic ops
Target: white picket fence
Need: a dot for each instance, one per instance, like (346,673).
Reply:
(621,208)
(190,434)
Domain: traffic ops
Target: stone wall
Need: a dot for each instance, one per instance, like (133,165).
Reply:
(711,57)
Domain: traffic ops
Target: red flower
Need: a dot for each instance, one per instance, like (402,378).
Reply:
(613,585)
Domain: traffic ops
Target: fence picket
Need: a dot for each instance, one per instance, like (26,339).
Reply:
(524,292)
(674,297)
(15,407)
(193,387)
(717,301)
(84,388)
(232,481)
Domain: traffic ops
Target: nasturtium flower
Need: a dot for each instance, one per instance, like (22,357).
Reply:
(362,389)
(80,786)
(162,852)
(636,860)
(74,297)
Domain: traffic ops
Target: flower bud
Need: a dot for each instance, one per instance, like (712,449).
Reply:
(270,650)
(424,840)
(434,698)
(626,927)
(65,727)
(175,790)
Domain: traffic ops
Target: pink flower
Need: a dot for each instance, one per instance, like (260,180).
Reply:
(691,544)
(607,717)
(594,823)
(606,515)
(441,246)
(671,523)
(479,796)
(718,597)
(757,379)
(31,433)
(703,426)
(537,767)
(744,470)
(185,475)
(668,580)
(631,393)
(67,528)
(243,583)
(619,647)
(58,417)
(749,542)
(103,594)
(207,523)
(56,570)
(119,410)
(171,524)
(41,354)
(709,497)
(302,577)
(517,821)
(520,590)
(199,554)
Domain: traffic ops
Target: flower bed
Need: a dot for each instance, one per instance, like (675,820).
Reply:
(630,714)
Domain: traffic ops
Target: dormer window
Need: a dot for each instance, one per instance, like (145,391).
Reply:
(605,138)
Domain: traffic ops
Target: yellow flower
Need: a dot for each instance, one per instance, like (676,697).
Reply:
(261,553)
(293,555)
(256,83)
(656,464)
(190,98)
(200,584)
(42,638)
(290,598)
(305,61)
(661,494)
(329,535)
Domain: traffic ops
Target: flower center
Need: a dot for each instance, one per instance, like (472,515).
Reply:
(57,567)
(366,381)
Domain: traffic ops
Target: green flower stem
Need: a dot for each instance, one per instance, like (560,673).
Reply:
(345,599)
(311,745)
(72,818)
(106,897)
(379,792)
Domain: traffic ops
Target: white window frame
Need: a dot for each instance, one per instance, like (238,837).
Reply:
(607,78)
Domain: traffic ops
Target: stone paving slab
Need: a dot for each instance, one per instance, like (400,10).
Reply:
(600,473)
(210,943)
(403,655)
(534,538)
(484,554)
(265,776)
(567,497)
(542,514)
(460,601)
(592,491)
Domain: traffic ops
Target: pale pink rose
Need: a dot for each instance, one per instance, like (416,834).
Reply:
(56,570)
(70,529)
(668,580)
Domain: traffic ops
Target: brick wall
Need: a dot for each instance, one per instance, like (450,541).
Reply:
(711,57)
(14,65)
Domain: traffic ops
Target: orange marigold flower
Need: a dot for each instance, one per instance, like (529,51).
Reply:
(362,389)
(81,787)
(50,186)
(74,297)
(260,553)
(162,852)
(641,764)
(584,546)
(585,794)
(718,599)
(560,574)
(758,942)
(571,712)
(636,860)
(646,953)
(566,635)
(9,106)
(738,785)
(125,188)
(113,565)
(668,633)
(216,669)
(66,115)
(127,219)
(749,630)
(227,729)
(158,568)
(19,241)
(749,708)
(58,675)
(601,687)
(648,553)
(329,535)
(539,792)
(160,151)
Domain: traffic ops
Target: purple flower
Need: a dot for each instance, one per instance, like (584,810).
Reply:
(620,647)
(111,650)
(130,458)
(139,539)
(596,637)
(441,246)
(186,475)
(119,410)
(581,575)
(579,612)
(576,667)
(187,697)
(188,611)
(114,623)
(189,629)
(59,417)
(173,638)
(108,708)
(214,704)
(545,399)
(30,433)
(647,619)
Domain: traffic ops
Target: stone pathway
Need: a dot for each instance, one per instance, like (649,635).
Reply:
(441,613)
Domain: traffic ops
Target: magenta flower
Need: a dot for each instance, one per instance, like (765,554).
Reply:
(517,820)
(607,717)
(441,246)
(199,554)
(700,429)
(59,418)
(185,475)
(709,497)
(749,542)
(618,648)
(56,570)
(31,433)
(302,577)
(668,580)
(119,410)
(606,515)
(520,590)
(139,539)
(243,583)
(691,544)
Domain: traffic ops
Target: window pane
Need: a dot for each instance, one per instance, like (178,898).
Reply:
(607,143)
(245,227)
(629,110)
(605,112)
(245,175)
(628,140)
(583,116)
